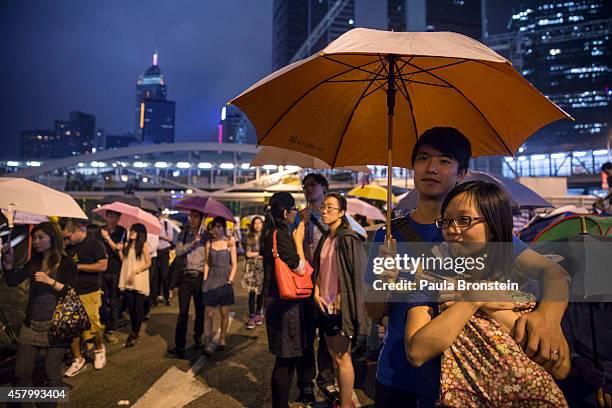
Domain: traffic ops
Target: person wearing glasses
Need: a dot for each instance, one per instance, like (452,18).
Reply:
(481,363)
(440,160)
(339,261)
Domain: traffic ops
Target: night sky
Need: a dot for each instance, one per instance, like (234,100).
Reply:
(59,56)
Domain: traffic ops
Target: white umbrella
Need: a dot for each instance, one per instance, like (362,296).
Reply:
(286,157)
(357,206)
(19,194)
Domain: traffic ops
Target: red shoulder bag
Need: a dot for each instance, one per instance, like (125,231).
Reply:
(291,286)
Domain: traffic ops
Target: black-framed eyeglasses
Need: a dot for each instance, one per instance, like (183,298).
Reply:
(311,184)
(328,208)
(463,221)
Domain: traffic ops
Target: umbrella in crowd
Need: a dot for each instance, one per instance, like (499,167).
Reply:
(285,157)
(132,200)
(341,104)
(356,206)
(371,192)
(19,194)
(131,215)
(520,195)
(206,205)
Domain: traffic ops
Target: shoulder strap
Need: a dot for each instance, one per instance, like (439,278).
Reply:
(274,248)
(402,225)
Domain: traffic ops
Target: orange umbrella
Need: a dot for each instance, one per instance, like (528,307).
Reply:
(285,157)
(341,105)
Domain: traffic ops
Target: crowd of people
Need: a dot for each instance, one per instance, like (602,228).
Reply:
(463,352)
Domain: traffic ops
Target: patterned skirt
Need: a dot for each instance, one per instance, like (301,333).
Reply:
(252,279)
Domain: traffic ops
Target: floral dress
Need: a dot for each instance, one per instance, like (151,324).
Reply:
(252,279)
(486,368)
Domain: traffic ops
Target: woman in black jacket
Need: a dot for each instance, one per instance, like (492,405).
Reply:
(340,261)
(51,273)
(284,318)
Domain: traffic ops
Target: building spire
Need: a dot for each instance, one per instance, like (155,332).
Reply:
(155,57)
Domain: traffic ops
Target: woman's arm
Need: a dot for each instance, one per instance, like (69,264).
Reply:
(426,338)
(120,250)
(288,252)
(206,254)
(233,259)
(146,252)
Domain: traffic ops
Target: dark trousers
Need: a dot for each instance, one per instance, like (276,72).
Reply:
(390,397)
(189,287)
(163,268)
(282,378)
(307,365)
(25,363)
(578,393)
(152,299)
(255,303)
(111,300)
(136,303)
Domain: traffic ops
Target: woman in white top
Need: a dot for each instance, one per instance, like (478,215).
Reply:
(134,277)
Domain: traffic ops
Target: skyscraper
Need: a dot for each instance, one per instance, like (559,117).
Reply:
(235,127)
(565,52)
(38,144)
(154,114)
(86,125)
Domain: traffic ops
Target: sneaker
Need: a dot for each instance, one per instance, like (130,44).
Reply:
(100,358)
(307,397)
(160,298)
(78,365)
(131,340)
(250,324)
(332,394)
(259,319)
(177,352)
(111,338)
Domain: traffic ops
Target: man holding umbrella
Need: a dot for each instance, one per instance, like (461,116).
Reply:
(189,272)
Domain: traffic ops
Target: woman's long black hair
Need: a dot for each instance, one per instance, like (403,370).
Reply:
(55,252)
(138,244)
(493,204)
(251,235)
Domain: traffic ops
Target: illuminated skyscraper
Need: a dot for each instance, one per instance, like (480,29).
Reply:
(154,114)
(235,127)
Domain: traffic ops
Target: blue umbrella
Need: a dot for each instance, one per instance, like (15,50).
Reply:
(520,196)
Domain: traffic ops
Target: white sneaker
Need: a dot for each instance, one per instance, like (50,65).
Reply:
(100,358)
(78,365)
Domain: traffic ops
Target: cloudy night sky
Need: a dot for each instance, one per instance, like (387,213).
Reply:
(60,56)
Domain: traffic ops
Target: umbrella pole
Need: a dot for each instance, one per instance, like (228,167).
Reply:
(390,113)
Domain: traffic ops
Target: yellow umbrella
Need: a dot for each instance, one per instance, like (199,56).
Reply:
(340,105)
(371,192)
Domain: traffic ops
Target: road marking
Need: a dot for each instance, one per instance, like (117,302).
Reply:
(177,388)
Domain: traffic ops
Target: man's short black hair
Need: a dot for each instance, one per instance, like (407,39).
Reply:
(318,178)
(449,141)
(607,166)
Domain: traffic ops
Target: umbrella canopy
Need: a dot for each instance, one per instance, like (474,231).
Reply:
(340,105)
(131,200)
(371,192)
(574,224)
(285,157)
(19,194)
(520,195)
(206,205)
(356,206)
(131,215)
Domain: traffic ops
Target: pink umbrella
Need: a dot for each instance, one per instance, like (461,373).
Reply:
(131,215)
(206,205)
(356,206)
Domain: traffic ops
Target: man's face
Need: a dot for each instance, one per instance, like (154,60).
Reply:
(112,218)
(313,191)
(435,174)
(71,237)
(195,219)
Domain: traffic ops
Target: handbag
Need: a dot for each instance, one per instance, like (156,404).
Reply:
(291,286)
(69,318)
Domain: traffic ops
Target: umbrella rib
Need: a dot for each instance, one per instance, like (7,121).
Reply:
(427,70)
(302,97)
(375,89)
(472,104)
(407,96)
(353,67)
(424,83)
(350,118)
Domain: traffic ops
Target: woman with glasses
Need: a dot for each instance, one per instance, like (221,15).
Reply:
(284,318)
(219,273)
(340,261)
(481,364)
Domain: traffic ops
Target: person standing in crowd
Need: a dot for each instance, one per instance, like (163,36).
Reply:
(473,333)
(253,272)
(314,186)
(163,260)
(219,273)
(112,235)
(440,160)
(134,277)
(284,318)
(191,258)
(51,274)
(151,300)
(90,258)
(339,262)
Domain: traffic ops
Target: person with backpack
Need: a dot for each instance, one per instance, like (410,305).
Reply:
(284,318)
(51,273)
(440,161)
